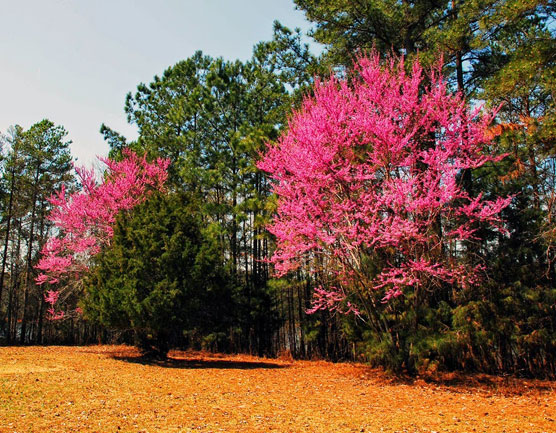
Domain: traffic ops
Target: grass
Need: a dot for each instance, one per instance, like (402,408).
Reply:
(111,389)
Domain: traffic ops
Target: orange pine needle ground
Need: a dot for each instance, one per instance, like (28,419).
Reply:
(109,389)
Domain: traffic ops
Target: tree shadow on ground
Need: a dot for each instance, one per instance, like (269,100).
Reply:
(504,385)
(459,382)
(199,363)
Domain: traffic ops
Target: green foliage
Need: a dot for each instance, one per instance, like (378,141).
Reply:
(211,118)
(349,28)
(160,276)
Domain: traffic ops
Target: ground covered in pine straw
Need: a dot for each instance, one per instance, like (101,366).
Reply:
(110,389)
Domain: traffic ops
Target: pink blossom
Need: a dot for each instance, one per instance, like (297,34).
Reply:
(372,166)
(332,300)
(55,315)
(51,297)
(84,219)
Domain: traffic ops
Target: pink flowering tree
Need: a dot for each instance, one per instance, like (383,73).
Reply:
(84,221)
(368,183)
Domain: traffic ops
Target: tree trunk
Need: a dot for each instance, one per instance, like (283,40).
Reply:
(300,303)
(7,237)
(29,269)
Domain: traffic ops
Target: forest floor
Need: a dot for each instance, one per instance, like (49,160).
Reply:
(111,389)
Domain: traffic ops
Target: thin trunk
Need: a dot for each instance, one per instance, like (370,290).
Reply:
(29,268)
(248,272)
(40,304)
(12,301)
(39,337)
(291,321)
(301,321)
(281,331)
(459,72)
(467,180)
(7,237)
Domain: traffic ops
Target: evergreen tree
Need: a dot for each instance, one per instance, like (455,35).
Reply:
(38,162)
(159,277)
(517,73)
(348,28)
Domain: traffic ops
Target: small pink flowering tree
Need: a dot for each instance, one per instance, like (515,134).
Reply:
(367,178)
(84,220)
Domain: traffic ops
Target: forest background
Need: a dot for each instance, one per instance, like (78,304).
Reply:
(187,267)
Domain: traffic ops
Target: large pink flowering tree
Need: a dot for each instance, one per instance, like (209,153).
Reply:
(84,220)
(368,183)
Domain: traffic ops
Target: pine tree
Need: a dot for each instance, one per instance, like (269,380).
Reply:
(38,161)
(160,277)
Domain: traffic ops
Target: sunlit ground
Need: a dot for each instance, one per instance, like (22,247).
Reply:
(110,389)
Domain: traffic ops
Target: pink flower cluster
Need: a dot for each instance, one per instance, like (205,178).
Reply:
(370,166)
(84,220)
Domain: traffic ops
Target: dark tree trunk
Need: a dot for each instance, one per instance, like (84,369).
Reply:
(7,236)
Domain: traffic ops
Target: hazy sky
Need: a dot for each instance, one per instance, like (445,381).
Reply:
(73,61)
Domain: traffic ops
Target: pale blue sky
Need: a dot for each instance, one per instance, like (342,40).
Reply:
(73,61)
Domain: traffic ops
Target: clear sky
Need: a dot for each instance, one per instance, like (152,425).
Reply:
(73,61)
